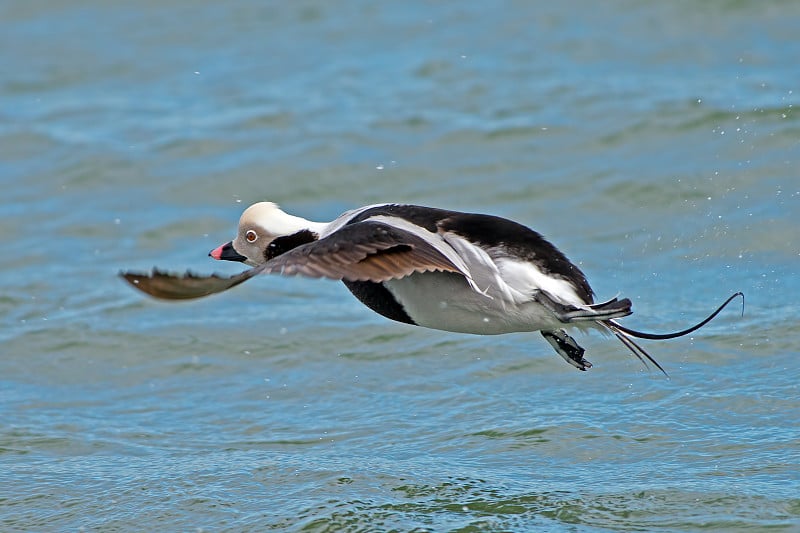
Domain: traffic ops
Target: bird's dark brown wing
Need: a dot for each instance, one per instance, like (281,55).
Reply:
(167,286)
(364,251)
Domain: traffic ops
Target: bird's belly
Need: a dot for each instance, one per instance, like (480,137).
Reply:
(441,300)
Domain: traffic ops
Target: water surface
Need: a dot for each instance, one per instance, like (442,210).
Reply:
(657,145)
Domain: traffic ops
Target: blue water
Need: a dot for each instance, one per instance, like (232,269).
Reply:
(656,144)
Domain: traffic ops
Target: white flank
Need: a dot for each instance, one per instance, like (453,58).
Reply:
(526,278)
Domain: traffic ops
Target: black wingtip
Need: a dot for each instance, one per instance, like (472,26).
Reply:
(167,286)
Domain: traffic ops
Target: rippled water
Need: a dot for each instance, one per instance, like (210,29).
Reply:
(657,144)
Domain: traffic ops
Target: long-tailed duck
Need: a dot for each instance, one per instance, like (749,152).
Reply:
(436,268)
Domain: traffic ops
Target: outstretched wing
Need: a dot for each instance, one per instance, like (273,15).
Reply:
(364,251)
(167,286)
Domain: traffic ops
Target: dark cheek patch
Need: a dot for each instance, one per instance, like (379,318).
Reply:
(281,245)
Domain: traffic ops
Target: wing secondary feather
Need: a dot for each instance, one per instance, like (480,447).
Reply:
(364,251)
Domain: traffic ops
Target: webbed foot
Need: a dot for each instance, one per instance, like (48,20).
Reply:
(567,348)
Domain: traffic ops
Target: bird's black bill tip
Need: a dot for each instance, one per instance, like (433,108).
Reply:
(227,252)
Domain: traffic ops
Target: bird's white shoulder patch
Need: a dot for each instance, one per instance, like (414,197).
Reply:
(346,217)
(526,277)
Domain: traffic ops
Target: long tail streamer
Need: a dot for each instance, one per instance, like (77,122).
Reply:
(625,334)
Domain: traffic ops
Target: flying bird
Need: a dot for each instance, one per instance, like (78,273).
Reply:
(430,267)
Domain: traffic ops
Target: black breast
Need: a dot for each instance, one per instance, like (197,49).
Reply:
(379,299)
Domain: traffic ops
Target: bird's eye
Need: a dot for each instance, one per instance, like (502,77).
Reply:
(251,236)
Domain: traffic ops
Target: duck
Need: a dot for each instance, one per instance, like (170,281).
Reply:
(425,266)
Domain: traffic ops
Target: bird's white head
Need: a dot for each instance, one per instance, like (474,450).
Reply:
(260,225)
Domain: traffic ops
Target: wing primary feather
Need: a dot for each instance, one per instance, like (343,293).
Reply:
(168,286)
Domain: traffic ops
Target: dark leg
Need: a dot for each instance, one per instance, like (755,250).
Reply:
(567,348)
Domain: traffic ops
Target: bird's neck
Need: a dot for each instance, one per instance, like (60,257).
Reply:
(290,224)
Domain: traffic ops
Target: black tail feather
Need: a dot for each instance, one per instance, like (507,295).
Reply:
(634,348)
(664,336)
(625,334)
